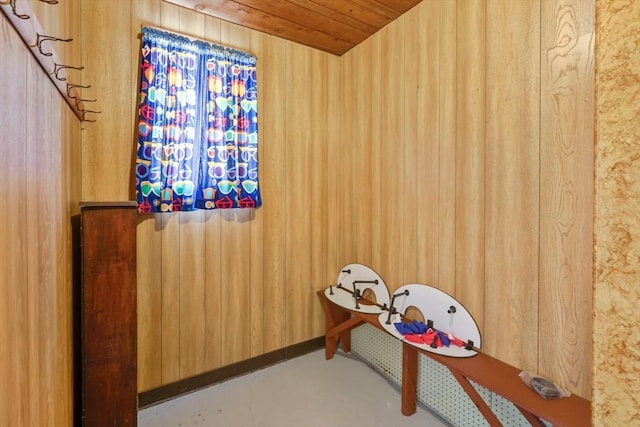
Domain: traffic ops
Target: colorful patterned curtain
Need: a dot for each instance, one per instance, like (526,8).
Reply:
(198,126)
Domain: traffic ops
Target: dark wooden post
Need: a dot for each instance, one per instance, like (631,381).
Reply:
(108,314)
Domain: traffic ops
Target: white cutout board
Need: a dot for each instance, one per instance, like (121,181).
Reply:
(435,305)
(364,278)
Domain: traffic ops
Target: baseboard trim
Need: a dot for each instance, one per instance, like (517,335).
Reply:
(189,385)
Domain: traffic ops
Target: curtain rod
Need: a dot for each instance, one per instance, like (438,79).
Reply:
(195,38)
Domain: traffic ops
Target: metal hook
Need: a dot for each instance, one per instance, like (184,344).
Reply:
(41,38)
(59,67)
(72,86)
(13,9)
(84,114)
(79,100)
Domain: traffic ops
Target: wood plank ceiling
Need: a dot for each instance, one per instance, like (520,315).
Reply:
(334,26)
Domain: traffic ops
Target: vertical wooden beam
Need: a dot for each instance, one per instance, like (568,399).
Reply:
(566,192)
(512,182)
(108,313)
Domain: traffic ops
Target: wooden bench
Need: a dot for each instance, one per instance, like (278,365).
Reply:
(498,377)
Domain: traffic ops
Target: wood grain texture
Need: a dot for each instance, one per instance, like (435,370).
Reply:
(108,315)
(428,144)
(375,109)
(411,160)
(566,182)
(299,165)
(39,242)
(256,280)
(512,192)
(392,155)
(213,291)
(328,25)
(14,382)
(107,168)
(470,157)
(447,59)
(363,171)
(318,207)
(347,165)
(272,95)
(333,261)
(41,188)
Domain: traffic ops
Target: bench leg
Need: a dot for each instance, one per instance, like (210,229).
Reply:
(333,317)
(409,379)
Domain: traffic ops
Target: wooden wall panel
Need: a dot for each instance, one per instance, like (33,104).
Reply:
(392,145)
(374,58)
(347,165)
(39,239)
(447,57)
(256,280)
(299,165)
(359,134)
(40,140)
(477,224)
(170,274)
(14,383)
(319,125)
(566,183)
(106,54)
(272,96)
(409,172)
(427,141)
(333,141)
(470,156)
(70,151)
(512,192)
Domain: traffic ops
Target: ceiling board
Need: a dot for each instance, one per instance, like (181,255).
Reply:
(334,26)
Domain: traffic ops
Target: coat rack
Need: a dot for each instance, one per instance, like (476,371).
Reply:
(20,14)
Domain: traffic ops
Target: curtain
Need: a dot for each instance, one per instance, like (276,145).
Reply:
(197,142)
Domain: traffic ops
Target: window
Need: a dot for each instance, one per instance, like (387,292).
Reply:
(197,142)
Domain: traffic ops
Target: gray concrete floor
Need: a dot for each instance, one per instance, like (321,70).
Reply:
(307,391)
